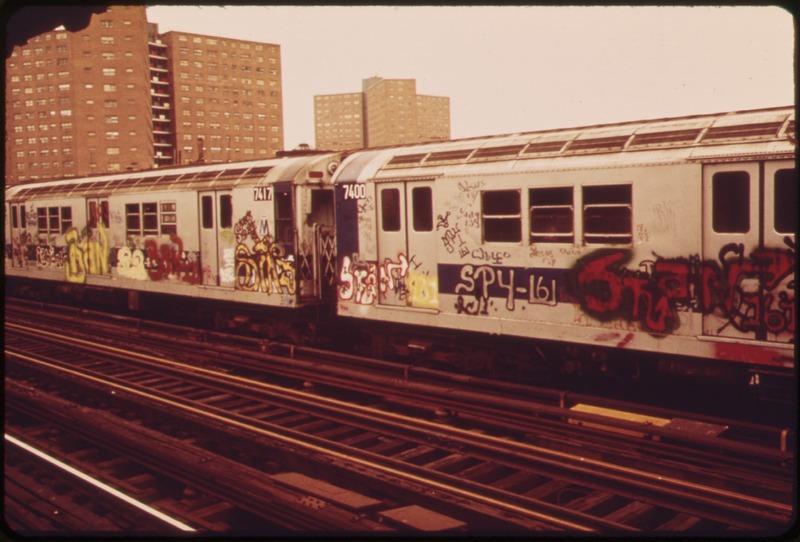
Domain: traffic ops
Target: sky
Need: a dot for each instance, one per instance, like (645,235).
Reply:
(509,69)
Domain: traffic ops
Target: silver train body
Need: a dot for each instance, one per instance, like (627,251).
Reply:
(671,236)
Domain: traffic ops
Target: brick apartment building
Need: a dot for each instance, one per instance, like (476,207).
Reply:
(385,112)
(119,96)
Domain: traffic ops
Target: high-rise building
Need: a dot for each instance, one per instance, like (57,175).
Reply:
(385,112)
(226,98)
(79,103)
(119,96)
(339,121)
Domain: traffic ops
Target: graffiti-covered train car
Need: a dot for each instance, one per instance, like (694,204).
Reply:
(258,233)
(671,236)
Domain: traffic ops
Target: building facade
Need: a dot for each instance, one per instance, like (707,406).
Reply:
(385,112)
(79,103)
(119,96)
(227,103)
(339,121)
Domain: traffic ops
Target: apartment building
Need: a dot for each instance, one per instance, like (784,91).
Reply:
(119,96)
(227,103)
(385,112)
(79,103)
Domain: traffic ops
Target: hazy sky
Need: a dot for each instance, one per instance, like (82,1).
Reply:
(513,69)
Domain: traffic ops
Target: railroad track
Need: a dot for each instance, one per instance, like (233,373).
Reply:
(503,483)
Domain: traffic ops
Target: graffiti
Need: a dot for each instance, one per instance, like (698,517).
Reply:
(423,290)
(130,264)
(170,261)
(452,241)
(470,189)
(262,266)
(361,282)
(50,256)
(516,286)
(744,290)
(443,222)
(493,256)
(478,280)
(751,298)
(115,217)
(226,270)
(358,281)
(86,254)
(19,249)
(546,255)
(641,234)
(392,276)
(665,216)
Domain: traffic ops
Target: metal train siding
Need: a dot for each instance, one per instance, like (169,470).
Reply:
(259,233)
(673,237)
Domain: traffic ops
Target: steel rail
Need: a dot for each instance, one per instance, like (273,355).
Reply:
(552,458)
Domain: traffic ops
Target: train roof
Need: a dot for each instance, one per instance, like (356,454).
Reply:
(218,176)
(720,136)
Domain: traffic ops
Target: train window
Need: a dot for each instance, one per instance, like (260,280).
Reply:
(207,209)
(14,217)
(149,218)
(284,218)
(41,219)
(607,216)
(104,212)
(66,219)
(786,201)
(321,208)
(552,215)
(97,212)
(91,220)
(53,220)
(390,209)
(225,211)
(502,216)
(422,206)
(169,219)
(133,219)
(730,202)
(23,217)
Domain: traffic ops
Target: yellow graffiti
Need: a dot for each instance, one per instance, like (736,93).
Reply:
(85,255)
(423,290)
(264,270)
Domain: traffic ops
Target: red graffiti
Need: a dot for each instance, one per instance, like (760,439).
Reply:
(751,292)
(171,261)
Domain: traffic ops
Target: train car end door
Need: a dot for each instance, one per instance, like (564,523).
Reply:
(750,219)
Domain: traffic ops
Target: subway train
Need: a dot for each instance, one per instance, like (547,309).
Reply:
(665,245)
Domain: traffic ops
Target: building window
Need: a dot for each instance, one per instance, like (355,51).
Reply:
(607,214)
(551,215)
(730,202)
(502,216)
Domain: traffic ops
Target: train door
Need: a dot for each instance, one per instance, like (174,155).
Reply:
(97,238)
(19,235)
(216,238)
(407,249)
(750,218)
